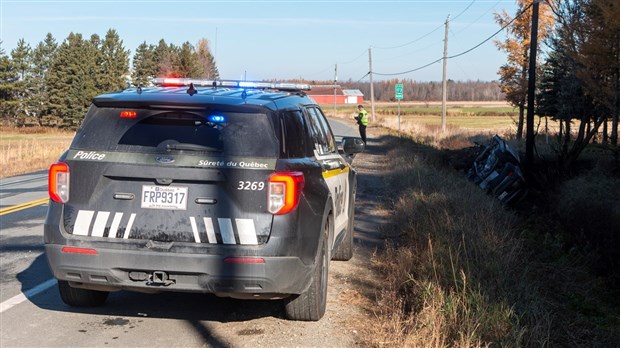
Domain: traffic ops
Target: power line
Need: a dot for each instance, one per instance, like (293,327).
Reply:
(492,36)
(410,71)
(477,19)
(354,59)
(462,53)
(361,78)
(425,35)
(410,42)
(465,10)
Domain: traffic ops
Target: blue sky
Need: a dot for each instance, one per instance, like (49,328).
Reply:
(284,39)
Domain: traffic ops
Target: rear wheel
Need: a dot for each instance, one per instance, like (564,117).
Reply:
(80,297)
(311,304)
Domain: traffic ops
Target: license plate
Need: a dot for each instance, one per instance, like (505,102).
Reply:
(164,197)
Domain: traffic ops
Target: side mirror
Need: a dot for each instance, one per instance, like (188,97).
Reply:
(352,146)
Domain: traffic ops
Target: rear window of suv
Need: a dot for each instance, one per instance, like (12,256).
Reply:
(226,133)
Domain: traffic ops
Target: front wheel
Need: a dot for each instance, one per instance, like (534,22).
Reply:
(310,305)
(77,297)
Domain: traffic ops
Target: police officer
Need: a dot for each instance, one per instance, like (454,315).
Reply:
(362,121)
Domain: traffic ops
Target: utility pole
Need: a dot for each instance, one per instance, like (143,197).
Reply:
(335,83)
(444,85)
(531,89)
(372,89)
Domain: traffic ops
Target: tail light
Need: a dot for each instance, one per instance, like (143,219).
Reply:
(74,250)
(284,191)
(58,182)
(129,114)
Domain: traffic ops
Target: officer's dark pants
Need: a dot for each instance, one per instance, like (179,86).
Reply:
(363,132)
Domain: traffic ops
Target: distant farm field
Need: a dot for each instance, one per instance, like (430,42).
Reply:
(497,117)
(24,150)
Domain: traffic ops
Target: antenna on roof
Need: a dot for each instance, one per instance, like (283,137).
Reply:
(191,90)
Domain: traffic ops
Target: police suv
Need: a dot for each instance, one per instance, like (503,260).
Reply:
(233,188)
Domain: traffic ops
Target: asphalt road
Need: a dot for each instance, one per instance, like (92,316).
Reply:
(33,315)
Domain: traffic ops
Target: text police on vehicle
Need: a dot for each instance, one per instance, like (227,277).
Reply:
(232,188)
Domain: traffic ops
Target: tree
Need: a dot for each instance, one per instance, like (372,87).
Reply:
(514,74)
(206,60)
(42,57)
(165,57)
(8,79)
(144,65)
(187,63)
(581,74)
(114,63)
(599,54)
(21,58)
(72,79)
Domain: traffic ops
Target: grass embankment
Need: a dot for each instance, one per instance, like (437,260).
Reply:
(466,271)
(24,150)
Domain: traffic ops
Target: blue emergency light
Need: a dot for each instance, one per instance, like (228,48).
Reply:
(216,119)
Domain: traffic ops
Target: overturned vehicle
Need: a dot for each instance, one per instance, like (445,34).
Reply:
(497,171)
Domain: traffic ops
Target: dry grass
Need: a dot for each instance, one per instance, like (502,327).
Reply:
(24,150)
(468,272)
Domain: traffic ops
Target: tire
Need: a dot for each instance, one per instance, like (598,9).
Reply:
(344,252)
(310,305)
(80,297)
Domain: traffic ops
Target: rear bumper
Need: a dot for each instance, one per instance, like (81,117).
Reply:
(115,269)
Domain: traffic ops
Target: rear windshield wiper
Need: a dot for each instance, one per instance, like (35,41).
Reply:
(191,147)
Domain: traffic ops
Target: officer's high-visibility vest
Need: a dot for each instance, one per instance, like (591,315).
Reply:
(363,117)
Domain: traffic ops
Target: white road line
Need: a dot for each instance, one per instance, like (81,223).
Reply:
(17,299)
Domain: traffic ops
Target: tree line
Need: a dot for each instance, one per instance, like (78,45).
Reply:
(424,91)
(578,78)
(53,84)
(430,91)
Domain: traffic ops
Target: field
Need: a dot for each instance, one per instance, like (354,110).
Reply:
(459,269)
(24,150)
(467,116)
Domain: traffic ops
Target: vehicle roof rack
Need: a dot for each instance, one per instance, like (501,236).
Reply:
(186,82)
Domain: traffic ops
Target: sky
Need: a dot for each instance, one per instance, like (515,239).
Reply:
(290,39)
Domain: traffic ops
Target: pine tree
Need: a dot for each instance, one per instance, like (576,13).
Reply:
(42,57)
(114,63)
(8,96)
(21,57)
(72,79)
(165,57)
(187,62)
(599,54)
(144,65)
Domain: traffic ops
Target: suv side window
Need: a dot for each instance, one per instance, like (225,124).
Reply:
(326,129)
(295,136)
(319,136)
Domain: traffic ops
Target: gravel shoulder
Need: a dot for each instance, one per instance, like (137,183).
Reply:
(351,284)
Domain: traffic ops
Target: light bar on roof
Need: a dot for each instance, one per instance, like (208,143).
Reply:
(180,82)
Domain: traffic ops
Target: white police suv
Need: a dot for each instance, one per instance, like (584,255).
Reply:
(233,188)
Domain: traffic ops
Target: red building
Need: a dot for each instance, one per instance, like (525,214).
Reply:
(324,94)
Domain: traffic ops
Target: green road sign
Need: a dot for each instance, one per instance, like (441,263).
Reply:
(399,91)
